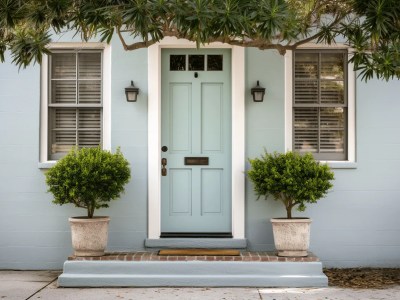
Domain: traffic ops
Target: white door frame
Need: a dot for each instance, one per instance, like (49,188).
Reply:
(154,134)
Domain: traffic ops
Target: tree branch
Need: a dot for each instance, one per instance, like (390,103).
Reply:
(77,203)
(121,38)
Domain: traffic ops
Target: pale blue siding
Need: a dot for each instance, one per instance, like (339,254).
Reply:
(128,228)
(34,233)
(265,129)
(356,225)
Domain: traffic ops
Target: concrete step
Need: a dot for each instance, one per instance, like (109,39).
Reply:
(248,270)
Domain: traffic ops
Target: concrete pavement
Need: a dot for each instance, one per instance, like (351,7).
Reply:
(24,285)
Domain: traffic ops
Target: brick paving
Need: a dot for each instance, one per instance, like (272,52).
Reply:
(153,256)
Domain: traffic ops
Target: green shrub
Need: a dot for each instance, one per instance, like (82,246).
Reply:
(291,178)
(88,178)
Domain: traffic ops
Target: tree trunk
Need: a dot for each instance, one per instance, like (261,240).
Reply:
(90,211)
(289,207)
(289,212)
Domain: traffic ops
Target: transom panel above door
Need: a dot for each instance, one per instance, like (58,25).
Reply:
(196,140)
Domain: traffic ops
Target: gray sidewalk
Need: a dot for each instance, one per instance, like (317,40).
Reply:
(42,285)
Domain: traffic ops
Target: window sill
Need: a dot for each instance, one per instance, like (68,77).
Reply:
(47,164)
(341,164)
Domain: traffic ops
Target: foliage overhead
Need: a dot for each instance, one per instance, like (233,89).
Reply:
(88,178)
(371,28)
(291,178)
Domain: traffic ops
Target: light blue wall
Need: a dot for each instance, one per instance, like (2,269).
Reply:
(265,129)
(128,228)
(34,233)
(31,234)
(356,225)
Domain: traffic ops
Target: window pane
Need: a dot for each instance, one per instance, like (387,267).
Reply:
(63,118)
(62,143)
(89,119)
(90,138)
(63,91)
(177,62)
(62,130)
(214,62)
(89,92)
(196,62)
(306,129)
(63,65)
(333,117)
(332,129)
(306,66)
(306,92)
(332,66)
(332,92)
(332,141)
(89,65)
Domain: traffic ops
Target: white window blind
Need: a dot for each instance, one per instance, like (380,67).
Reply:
(320,103)
(75,101)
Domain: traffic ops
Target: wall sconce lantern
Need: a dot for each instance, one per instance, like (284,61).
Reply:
(258,93)
(131,93)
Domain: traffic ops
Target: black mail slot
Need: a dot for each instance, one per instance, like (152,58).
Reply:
(196,161)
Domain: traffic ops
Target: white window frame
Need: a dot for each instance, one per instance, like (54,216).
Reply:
(351,109)
(44,162)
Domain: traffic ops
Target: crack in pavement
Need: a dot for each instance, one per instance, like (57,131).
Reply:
(38,291)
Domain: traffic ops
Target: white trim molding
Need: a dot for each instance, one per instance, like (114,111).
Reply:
(154,134)
(351,108)
(44,81)
(288,100)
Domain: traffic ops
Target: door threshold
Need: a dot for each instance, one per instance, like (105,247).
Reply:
(220,235)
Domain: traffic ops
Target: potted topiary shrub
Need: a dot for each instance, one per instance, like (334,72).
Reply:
(295,180)
(88,178)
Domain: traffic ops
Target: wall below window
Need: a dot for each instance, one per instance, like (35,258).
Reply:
(356,225)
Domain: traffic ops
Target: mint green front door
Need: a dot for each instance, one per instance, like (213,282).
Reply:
(196,140)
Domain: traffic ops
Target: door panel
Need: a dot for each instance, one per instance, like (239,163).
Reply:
(212,117)
(180,192)
(196,120)
(180,116)
(211,191)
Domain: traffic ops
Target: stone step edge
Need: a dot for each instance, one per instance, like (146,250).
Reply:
(196,273)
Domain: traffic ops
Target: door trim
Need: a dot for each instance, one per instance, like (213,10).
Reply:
(154,134)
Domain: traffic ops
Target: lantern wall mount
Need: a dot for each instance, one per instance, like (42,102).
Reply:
(131,93)
(258,93)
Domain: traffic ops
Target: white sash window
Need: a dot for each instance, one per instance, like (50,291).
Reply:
(320,103)
(75,99)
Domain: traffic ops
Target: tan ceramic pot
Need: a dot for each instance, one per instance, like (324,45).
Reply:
(89,236)
(291,236)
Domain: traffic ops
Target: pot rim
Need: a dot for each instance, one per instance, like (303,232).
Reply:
(86,219)
(293,220)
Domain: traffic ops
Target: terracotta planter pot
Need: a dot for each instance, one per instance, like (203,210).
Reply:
(291,236)
(89,236)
